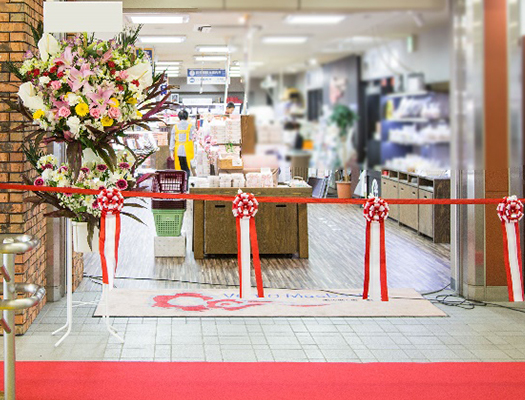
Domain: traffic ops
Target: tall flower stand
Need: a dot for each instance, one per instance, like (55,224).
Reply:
(69,291)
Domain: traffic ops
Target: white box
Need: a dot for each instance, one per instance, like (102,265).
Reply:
(170,246)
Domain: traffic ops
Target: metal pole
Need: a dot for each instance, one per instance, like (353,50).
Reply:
(247,59)
(227,85)
(9,333)
(69,283)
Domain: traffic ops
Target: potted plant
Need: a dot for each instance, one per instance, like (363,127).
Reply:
(344,119)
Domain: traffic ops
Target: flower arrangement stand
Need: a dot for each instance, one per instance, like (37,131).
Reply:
(69,294)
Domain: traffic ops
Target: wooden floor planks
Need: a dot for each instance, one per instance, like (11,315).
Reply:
(336,234)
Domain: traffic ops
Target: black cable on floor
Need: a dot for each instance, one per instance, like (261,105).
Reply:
(96,279)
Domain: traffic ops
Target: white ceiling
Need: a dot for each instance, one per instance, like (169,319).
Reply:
(326,42)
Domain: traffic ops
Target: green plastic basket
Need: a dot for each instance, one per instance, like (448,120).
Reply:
(168,222)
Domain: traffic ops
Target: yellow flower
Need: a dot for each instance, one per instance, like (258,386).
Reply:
(38,114)
(131,100)
(106,121)
(113,102)
(82,109)
(139,114)
(66,95)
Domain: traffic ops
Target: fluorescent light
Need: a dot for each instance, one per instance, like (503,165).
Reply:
(236,69)
(210,58)
(213,49)
(235,75)
(168,62)
(162,39)
(172,68)
(284,39)
(159,19)
(360,39)
(314,19)
(252,64)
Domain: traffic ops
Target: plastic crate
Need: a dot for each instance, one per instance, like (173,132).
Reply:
(168,204)
(170,181)
(168,222)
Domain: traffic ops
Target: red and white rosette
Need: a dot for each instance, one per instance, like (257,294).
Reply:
(110,202)
(375,285)
(510,212)
(244,208)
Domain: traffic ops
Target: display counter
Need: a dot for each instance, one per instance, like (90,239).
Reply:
(282,228)
(432,220)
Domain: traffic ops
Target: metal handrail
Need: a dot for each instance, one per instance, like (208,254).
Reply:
(18,244)
(37,291)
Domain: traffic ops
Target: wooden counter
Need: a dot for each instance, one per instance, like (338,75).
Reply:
(282,228)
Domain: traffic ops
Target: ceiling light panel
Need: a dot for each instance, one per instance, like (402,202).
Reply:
(307,19)
(210,58)
(168,63)
(284,39)
(159,19)
(162,39)
(213,49)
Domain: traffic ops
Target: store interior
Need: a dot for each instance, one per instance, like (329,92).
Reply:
(342,105)
(249,199)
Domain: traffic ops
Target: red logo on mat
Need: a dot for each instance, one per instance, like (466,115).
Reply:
(200,302)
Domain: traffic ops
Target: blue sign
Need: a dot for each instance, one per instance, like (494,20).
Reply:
(208,76)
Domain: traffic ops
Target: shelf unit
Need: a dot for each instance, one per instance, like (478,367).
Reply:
(432,220)
(391,149)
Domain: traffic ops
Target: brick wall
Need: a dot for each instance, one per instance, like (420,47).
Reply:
(16,17)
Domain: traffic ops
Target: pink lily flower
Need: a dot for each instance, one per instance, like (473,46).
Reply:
(100,97)
(78,78)
(107,55)
(66,58)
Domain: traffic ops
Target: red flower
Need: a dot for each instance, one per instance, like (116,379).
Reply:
(135,82)
(39,181)
(53,69)
(60,74)
(120,87)
(111,64)
(112,72)
(122,184)
(36,72)
(59,63)
(118,78)
(45,73)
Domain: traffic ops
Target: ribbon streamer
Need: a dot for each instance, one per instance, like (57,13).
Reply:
(110,202)
(510,212)
(244,208)
(375,282)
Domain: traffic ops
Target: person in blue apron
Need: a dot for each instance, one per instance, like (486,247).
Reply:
(181,144)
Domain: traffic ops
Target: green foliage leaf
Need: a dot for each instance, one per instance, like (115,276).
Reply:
(132,217)
(74,158)
(38,32)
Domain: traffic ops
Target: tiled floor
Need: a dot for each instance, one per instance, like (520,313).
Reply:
(481,334)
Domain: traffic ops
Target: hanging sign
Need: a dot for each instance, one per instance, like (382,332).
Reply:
(85,16)
(196,76)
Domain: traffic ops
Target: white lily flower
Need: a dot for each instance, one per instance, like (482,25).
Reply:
(141,72)
(48,46)
(29,97)
(74,125)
